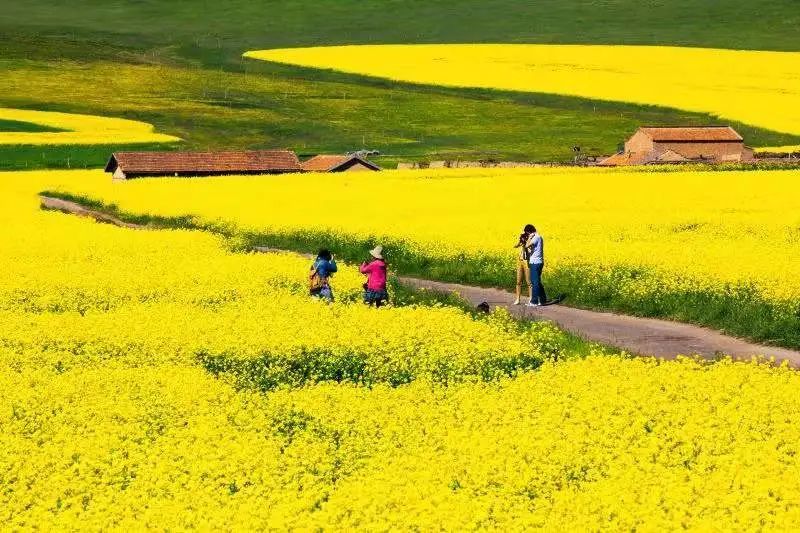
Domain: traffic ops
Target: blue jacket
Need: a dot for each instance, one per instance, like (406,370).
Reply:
(324,267)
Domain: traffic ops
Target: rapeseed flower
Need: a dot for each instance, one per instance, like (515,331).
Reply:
(157,379)
(79,129)
(640,237)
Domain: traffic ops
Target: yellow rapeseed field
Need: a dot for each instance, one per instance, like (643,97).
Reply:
(79,129)
(754,87)
(643,239)
(180,293)
(601,443)
(160,380)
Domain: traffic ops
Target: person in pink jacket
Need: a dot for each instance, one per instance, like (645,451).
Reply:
(375,288)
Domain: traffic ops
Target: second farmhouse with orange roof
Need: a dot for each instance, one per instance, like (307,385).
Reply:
(693,144)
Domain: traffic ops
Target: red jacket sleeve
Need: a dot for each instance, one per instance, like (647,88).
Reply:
(365,268)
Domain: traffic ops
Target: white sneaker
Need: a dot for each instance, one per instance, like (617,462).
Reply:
(516,302)
(532,304)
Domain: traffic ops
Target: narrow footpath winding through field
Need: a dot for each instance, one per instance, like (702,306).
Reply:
(645,336)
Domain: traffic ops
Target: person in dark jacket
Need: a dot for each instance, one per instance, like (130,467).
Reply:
(523,267)
(321,271)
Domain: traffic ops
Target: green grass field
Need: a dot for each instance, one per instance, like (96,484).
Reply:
(30,157)
(16,125)
(236,24)
(178,65)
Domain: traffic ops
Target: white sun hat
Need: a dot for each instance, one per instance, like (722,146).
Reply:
(377,252)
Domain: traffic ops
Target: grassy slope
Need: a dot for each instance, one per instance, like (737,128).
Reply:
(178,65)
(764,25)
(16,125)
(32,157)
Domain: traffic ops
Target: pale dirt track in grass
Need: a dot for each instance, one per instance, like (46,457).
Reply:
(636,335)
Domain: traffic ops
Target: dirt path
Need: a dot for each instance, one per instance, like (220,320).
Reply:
(645,336)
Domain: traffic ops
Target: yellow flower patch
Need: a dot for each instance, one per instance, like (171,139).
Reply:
(682,231)
(754,87)
(81,129)
(132,365)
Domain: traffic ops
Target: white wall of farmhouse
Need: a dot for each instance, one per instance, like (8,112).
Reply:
(639,142)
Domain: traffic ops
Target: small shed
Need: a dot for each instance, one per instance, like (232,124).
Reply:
(681,144)
(338,163)
(127,165)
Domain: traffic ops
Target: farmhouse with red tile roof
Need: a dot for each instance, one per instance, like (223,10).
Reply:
(708,144)
(126,165)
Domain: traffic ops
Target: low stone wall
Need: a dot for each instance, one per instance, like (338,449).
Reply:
(491,164)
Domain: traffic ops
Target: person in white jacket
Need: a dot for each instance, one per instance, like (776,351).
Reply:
(535,246)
